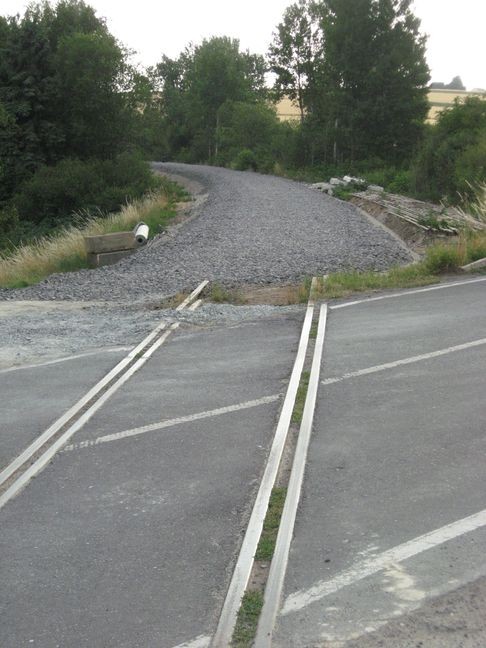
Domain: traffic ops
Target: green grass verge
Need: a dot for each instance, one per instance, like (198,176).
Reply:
(439,258)
(300,398)
(266,546)
(247,620)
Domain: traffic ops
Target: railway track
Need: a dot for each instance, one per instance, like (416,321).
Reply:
(18,473)
(285,463)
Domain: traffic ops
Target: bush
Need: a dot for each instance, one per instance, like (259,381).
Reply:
(55,193)
(453,154)
(245,159)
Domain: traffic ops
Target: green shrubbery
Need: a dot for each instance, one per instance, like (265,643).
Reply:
(55,193)
(453,156)
(70,192)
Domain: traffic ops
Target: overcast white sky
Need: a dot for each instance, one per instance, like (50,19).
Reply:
(457,44)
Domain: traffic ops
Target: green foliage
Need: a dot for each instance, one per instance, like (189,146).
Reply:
(245,160)
(454,154)
(54,193)
(194,88)
(293,56)
(374,77)
(64,82)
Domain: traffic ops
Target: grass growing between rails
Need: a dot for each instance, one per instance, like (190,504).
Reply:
(64,251)
(247,621)
(300,398)
(266,546)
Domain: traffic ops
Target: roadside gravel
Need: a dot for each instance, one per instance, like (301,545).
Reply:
(37,332)
(251,228)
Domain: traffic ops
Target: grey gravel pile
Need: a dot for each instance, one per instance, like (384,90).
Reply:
(251,229)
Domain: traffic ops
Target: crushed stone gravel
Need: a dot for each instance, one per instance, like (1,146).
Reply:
(34,333)
(251,228)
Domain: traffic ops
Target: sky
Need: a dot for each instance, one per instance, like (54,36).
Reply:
(456,44)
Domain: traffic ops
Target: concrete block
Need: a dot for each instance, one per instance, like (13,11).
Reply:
(95,260)
(475,265)
(110,242)
(337,182)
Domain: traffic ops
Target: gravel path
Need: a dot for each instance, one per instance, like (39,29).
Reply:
(251,229)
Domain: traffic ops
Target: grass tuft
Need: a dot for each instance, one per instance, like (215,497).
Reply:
(220,295)
(300,398)
(266,546)
(247,620)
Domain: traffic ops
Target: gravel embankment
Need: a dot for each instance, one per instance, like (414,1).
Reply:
(251,229)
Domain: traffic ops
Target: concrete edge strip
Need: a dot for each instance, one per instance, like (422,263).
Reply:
(278,566)
(404,361)
(162,425)
(244,564)
(303,598)
(199,642)
(55,361)
(31,450)
(405,293)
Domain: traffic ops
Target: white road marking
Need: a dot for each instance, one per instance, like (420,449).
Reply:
(278,566)
(405,361)
(244,564)
(152,427)
(407,292)
(303,598)
(198,642)
(66,359)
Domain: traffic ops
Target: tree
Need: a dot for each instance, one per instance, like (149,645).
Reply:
(62,77)
(453,155)
(196,85)
(297,45)
(373,78)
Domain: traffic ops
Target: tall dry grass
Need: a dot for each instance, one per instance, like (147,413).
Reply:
(65,251)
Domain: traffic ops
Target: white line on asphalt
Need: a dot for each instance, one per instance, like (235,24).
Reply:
(405,293)
(365,568)
(161,425)
(44,459)
(242,571)
(405,361)
(198,642)
(66,359)
(278,566)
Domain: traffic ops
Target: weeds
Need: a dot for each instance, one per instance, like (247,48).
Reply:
(300,398)
(266,546)
(220,295)
(247,621)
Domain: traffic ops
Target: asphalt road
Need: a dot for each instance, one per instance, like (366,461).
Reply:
(131,541)
(397,453)
(34,397)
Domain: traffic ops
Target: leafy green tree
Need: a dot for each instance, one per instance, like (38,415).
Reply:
(293,55)
(373,78)
(453,156)
(63,86)
(195,86)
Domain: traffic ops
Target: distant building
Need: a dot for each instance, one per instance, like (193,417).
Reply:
(439,100)
(442,98)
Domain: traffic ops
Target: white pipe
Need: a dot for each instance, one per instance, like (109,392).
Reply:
(141,233)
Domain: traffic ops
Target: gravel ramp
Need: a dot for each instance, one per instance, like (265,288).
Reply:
(246,228)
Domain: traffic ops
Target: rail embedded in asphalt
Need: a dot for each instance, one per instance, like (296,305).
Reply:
(73,420)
